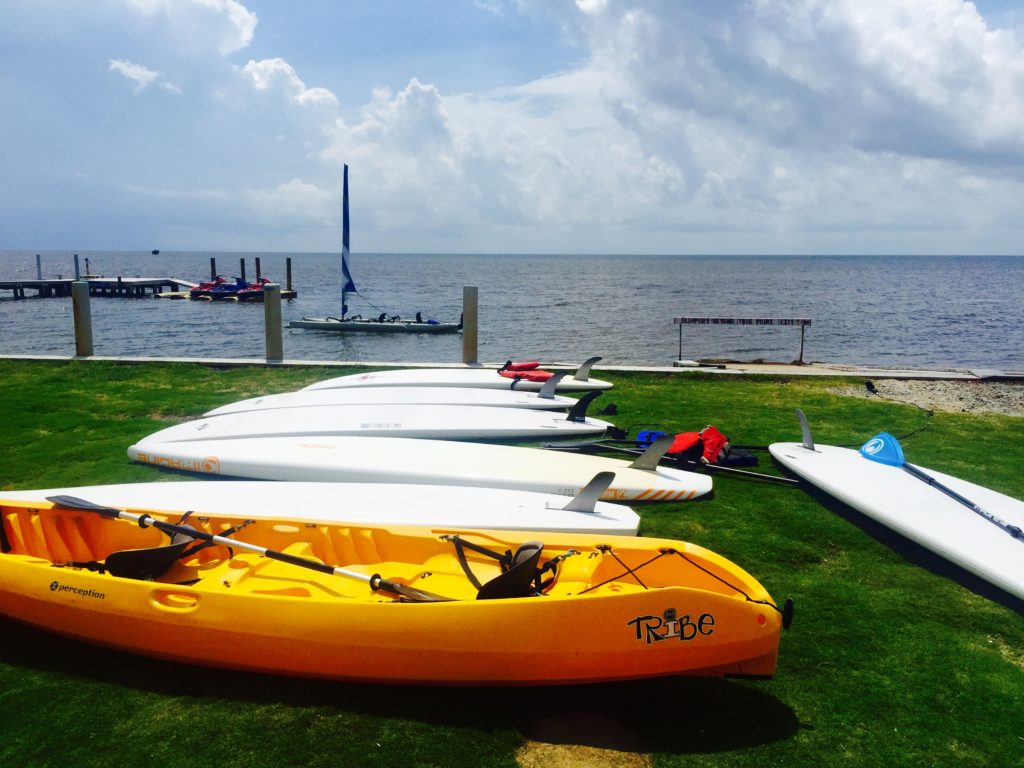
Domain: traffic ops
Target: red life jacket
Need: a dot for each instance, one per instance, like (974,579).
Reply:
(716,445)
(709,444)
(527,371)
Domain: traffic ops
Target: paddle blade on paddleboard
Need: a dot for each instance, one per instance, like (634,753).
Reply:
(885,449)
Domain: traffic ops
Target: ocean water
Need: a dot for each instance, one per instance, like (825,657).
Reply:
(921,311)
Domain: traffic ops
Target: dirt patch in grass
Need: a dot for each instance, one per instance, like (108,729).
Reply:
(536,754)
(556,744)
(952,396)
(1008,652)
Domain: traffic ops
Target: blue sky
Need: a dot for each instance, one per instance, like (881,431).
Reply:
(594,126)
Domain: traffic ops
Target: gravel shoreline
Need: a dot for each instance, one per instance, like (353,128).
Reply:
(1001,397)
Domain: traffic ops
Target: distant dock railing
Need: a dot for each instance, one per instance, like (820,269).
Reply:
(802,322)
(133,287)
(127,287)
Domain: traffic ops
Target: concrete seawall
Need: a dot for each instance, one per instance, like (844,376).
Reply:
(741,368)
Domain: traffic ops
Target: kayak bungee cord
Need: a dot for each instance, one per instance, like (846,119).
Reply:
(607,550)
(786,611)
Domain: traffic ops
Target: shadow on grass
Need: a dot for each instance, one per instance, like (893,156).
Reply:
(914,552)
(672,715)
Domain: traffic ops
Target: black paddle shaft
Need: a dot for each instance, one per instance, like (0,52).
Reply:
(1013,530)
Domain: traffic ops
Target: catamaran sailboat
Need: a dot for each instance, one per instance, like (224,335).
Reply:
(383,323)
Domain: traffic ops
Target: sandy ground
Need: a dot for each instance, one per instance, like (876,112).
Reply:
(956,396)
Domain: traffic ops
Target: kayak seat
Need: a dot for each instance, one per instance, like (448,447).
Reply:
(520,580)
(150,563)
(145,564)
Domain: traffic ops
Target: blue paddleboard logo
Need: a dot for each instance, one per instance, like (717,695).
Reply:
(872,446)
(885,449)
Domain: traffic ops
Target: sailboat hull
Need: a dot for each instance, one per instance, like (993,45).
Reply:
(372,326)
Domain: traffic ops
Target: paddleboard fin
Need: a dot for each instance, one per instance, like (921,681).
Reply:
(805,428)
(885,449)
(578,413)
(586,500)
(583,372)
(547,391)
(649,459)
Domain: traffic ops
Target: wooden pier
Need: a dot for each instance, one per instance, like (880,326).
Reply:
(124,287)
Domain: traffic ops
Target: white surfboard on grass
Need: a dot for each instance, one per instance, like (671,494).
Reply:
(365,504)
(429,462)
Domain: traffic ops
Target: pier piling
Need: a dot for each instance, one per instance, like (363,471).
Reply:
(470,303)
(272,319)
(83,317)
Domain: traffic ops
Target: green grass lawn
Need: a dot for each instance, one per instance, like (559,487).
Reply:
(887,663)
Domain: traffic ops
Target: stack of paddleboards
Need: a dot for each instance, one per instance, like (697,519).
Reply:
(391,435)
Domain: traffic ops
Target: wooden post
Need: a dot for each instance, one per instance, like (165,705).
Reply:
(78,274)
(213,268)
(288,270)
(39,267)
(258,272)
(470,305)
(242,268)
(83,318)
(272,318)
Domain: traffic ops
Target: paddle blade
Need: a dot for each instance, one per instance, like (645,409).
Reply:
(885,449)
(73,502)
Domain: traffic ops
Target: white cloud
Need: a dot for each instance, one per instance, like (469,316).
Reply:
(225,25)
(143,77)
(821,125)
(296,202)
(278,75)
(493,7)
(920,77)
(179,194)
(592,6)
(809,122)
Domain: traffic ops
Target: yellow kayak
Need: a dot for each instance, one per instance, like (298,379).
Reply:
(399,605)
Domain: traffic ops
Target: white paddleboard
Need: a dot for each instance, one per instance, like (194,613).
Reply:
(358,504)
(493,398)
(918,511)
(441,422)
(430,462)
(478,378)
